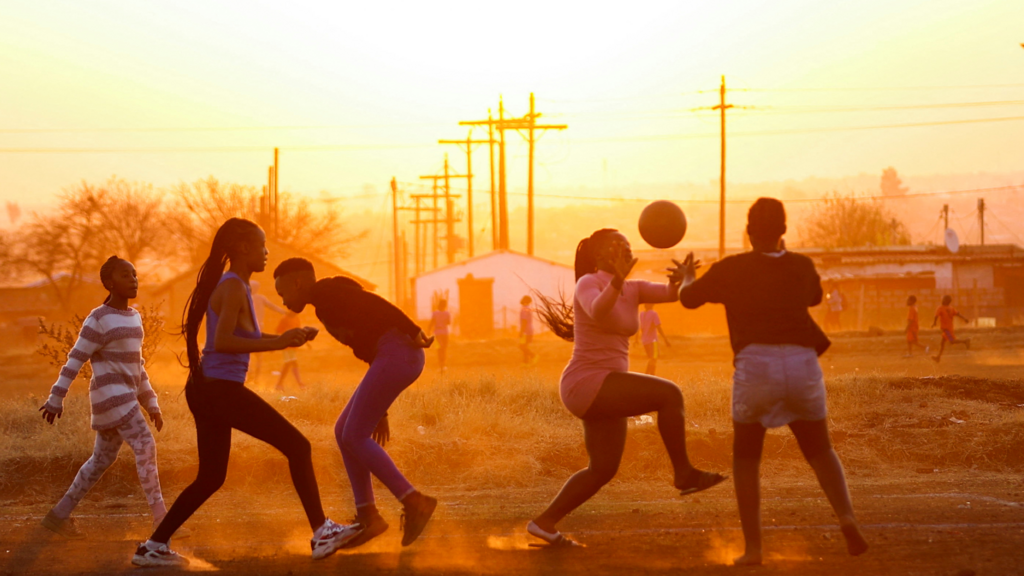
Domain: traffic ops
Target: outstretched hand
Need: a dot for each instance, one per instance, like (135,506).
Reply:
(382,432)
(49,414)
(311,332)
(294,338)
(422,340)
(684,272)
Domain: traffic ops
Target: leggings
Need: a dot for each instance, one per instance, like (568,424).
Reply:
(136,434)
(219,406)
(397,365)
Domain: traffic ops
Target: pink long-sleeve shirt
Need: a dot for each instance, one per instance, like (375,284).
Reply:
(605,318)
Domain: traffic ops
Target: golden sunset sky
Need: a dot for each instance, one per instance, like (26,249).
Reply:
(355,93)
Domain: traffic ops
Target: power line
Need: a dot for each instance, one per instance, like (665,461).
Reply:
(209,149)
(213,128)
(881,88)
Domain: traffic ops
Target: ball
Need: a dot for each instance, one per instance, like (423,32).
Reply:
(662,224)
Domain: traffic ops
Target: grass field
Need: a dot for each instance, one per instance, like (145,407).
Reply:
(935,455)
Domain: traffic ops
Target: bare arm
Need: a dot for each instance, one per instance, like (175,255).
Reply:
(231,302)
(664,336)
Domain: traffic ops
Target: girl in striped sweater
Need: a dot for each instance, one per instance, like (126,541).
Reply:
(111,338)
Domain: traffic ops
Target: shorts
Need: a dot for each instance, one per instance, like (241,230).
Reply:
(947,335)
(652,350)
(289,355)
(911,335)
(775,384)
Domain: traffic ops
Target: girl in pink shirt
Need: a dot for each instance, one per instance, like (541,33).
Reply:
(597,386)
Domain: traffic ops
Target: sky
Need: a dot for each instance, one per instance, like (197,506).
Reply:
(357,93)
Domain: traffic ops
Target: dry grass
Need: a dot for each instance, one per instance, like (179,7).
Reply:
(486,431)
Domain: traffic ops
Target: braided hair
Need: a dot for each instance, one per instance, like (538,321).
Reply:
(226,238)
(107,273)
(556,312)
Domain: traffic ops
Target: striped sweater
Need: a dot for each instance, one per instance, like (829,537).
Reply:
(112,340)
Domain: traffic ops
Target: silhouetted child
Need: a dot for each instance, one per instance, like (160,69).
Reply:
(526,329)
(438,327)
(650,328)
(913,327)
(944,316)
(291,359)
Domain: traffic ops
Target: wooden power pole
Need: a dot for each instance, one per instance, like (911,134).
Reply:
(467,145)
(721,178)
(449,212)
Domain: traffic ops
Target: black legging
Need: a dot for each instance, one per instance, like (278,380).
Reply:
(219,406)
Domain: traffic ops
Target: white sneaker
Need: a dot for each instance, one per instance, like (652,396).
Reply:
(162,556)
(330,537)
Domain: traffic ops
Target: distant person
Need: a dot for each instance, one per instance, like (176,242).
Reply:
(260,304)
(597,386)
(220,402)
(913,327)
(440,320)
(526,329)
(381,335)
(290,357)
(944,315)
(777,381)
(835,303)
(111,339)
(650,328)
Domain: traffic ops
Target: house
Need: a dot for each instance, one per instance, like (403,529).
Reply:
(22,306)
(172,294)
(483,292)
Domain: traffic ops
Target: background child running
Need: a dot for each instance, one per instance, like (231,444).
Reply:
(438,327)
(526,329)
(913,327)
(944,315)
(260,305)
(289,321)
(111,338)
(778,381)
(650,328)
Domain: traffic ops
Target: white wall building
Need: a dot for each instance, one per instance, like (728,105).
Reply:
(490,285)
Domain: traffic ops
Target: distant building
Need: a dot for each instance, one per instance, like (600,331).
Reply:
(984,281)
(483,292)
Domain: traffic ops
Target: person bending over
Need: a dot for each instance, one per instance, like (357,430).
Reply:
(392,344)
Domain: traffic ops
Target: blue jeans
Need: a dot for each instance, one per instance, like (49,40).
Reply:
(396,366)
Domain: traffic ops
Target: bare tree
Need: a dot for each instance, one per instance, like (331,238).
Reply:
(130,217)
(850,222)
(202,206)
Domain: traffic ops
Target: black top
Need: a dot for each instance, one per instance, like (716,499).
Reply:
(766,299)
(357,318)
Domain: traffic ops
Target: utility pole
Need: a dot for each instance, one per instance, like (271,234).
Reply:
(721,178)
(397,247)
(981,219)
(468,147)
(945,217)
(449,218)
(494,204)
(420,242)
(527,124)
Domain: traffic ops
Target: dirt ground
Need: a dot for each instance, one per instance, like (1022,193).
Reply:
(950,520)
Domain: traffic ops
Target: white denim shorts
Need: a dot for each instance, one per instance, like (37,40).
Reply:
(775,384)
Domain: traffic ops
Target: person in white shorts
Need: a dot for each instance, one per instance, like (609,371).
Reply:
(778,381)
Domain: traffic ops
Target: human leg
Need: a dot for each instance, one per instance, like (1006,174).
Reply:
(105,449)
(252,415)
(813,438)
(625,394)
(605,439)
(136,434)
(652,358)
(748,443)
(213,444)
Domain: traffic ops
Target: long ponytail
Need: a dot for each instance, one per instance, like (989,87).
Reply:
(212,269)
(556,312)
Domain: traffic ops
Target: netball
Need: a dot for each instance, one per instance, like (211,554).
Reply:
(662,224)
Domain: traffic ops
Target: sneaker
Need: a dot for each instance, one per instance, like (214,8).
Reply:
(66,527)
(418,511)
(161,556)
(331,537)
(369,528)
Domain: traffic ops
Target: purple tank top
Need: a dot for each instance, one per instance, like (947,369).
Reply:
(224,365)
